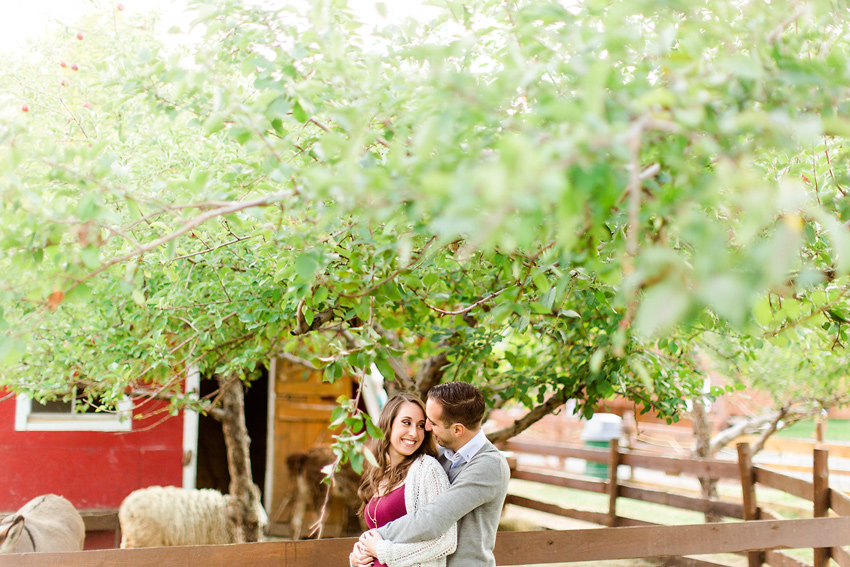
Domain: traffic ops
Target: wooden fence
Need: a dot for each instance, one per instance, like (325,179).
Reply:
(754,531)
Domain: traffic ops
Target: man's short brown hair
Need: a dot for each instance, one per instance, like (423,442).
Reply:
(461,402)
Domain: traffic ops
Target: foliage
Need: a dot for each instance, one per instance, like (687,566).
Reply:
(554,198)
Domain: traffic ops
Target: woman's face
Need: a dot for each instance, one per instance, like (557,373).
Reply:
(407,432)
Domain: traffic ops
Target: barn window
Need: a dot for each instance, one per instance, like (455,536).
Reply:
(74,414)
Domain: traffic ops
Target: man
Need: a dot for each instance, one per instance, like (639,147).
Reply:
(479,476)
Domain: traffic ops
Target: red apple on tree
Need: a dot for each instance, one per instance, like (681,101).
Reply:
(25,108)
(63,64)
(80,36)
(74,67)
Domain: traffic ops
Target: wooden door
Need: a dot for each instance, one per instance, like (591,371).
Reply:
(303,406)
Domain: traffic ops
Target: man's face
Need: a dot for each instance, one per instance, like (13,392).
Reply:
(434,424)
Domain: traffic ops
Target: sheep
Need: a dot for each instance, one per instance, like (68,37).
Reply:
(46,523)
(159,516)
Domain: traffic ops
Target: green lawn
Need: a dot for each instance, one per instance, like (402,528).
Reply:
(836,430)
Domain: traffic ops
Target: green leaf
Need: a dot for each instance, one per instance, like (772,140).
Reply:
(370,456)
(299,113)
(305,266)
(385,369)
(213,124)
(90,256)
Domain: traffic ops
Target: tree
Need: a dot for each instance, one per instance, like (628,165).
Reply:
(545,200)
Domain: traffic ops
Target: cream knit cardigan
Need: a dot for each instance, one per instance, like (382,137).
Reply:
(425,480)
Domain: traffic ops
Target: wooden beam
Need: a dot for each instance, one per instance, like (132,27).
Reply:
(820,498)
(779,559)
(792,485)
(581,515)
(560,479)
(841,556)
(839,502)
(100,520)
(613,487)
(748,491)
(727,509)
(679,465)
(675,465)
(267,554)
(512,548)
(635,542)
(553,449)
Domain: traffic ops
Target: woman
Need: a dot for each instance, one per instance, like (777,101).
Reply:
(407,477)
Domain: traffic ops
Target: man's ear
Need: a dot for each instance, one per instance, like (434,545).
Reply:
(458,429)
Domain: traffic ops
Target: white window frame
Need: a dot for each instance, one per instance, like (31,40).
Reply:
(27,420)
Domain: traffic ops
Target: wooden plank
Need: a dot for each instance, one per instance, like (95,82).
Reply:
(727,509)
(841,556)
(839,502)
(563,450)
(613,491)
(581,515)
(779,559)
(560,479)
(676,465)
(820,498)
(768,514)
(512,548)
(100,520)
(797,486)
(305,553)
(751,512)
(635,542)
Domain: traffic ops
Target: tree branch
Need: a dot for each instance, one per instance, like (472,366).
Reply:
(533,416)
(189,225)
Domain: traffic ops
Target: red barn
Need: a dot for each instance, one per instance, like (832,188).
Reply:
(92,459)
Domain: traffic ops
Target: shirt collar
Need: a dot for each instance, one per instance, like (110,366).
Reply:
(465,453)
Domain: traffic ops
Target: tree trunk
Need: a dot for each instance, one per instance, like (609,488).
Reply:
(702,434)
(245,495)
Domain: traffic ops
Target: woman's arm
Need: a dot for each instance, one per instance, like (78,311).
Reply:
(478,483)
(431,483)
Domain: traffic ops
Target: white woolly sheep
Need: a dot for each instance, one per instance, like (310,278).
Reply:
(46,523)
(166,515)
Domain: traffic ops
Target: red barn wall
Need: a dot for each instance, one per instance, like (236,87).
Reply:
(92,469)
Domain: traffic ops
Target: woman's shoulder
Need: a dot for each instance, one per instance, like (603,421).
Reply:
(428,463)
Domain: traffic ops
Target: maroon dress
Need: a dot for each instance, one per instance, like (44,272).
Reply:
(384,509)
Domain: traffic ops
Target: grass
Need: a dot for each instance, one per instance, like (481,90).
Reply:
(836,430)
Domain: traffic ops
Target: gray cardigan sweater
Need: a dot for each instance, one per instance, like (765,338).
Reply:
(474,501)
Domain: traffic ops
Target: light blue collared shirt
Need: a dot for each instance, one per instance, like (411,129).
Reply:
(465,453)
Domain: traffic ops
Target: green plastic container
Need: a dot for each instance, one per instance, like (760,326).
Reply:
(591,468)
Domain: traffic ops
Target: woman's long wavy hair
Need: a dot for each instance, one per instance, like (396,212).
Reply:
(384,473)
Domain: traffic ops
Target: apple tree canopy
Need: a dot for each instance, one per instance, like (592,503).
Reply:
(549,199)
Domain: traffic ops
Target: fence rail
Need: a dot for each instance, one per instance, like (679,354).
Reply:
(762,535)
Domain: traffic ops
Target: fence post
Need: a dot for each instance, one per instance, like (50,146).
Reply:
(613,486)
(748,490)
(820,476)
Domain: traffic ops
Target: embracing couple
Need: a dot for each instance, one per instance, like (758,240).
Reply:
(430,508)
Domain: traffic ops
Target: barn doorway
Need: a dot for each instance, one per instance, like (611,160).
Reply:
(212,454)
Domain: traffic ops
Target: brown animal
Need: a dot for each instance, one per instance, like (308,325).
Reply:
(310,492)
(46,523)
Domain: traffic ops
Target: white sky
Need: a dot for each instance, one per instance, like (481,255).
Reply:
(22,19)
(27,19)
